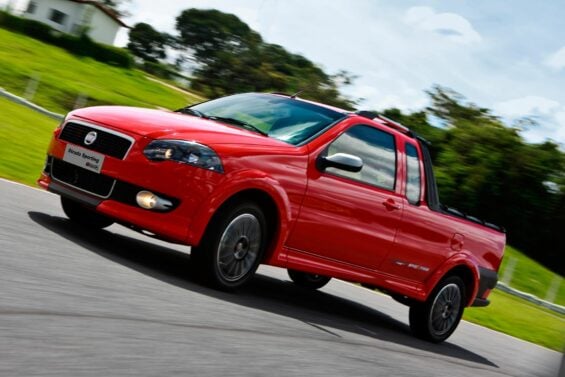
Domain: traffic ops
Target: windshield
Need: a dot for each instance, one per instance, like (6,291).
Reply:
(283,118)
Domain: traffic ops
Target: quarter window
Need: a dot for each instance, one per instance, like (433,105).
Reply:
(413,178)
(57,16)
(377,150)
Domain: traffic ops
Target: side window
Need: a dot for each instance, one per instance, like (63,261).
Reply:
(57,16)
(377,150)
(413,178)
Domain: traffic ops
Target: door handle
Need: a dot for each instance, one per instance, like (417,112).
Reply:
(390,205)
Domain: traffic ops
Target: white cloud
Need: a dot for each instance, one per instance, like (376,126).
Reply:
(452,26)
(551,129)
(528,105)
(549,113)
(560,131)
(557,59)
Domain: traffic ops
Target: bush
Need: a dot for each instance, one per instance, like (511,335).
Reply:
(32,28)
(81,45)
(158,69)
(85,46)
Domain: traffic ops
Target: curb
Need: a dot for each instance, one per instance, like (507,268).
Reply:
(531,298)
(31,105)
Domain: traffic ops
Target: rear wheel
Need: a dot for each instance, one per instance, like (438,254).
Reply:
(84,216)
(310,281)
(437,318)
(232,247)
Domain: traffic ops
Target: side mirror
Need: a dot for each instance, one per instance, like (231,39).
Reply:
(343,161)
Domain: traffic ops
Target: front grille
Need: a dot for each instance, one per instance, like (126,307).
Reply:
(105,143)
(82,179)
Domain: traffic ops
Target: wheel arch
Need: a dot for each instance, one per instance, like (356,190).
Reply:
(462,266)
(267,194)
(466,274)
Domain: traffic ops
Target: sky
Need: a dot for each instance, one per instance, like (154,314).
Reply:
(508,56)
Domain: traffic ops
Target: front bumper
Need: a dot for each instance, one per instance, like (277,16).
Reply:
(187,187)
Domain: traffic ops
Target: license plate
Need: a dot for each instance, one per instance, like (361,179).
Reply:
(84,158)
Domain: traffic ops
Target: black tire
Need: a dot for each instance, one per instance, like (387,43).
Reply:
(310,281)
(437,318)
(232,247)
(84,216)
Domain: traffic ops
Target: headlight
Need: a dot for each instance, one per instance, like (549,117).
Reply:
(187,152)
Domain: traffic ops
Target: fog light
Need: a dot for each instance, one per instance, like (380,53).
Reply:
(148,200)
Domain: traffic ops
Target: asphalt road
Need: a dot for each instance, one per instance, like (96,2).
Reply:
(115,303)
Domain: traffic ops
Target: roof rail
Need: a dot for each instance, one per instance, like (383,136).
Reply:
(387,121)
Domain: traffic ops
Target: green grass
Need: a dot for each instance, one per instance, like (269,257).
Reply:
(24,137)
(63,77)
(529,276)
(522,319)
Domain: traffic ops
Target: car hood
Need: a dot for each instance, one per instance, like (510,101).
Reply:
(159,124)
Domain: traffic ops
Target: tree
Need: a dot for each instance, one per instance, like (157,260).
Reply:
(447,104)
(147,43)
(233,58)
(486,169)
(211,32)
(116,6)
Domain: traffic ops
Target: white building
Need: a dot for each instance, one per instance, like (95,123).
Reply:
(73,16)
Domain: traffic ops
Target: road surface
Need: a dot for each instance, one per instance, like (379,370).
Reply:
(116,303)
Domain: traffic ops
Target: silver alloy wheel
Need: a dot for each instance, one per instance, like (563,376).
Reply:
(239,247)
(445,309)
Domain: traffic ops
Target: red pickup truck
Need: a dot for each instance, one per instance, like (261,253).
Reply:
(271,178)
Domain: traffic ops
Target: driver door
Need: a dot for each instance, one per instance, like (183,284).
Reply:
(351,217)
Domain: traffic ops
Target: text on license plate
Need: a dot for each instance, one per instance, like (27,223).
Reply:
(84,158)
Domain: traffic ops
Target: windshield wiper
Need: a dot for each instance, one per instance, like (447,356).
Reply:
(238,122)
(189,111)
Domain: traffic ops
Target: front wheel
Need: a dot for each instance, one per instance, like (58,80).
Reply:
(437,318)
(84,216)
(232,247)
(310,281)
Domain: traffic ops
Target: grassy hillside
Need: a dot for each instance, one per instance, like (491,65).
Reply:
(529,276)
(24,137)
(63,77)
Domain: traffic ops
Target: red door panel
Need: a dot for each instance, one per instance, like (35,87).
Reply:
(346,222)
(345,216)
(422,244)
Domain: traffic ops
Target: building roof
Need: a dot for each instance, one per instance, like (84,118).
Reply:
(104,9)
